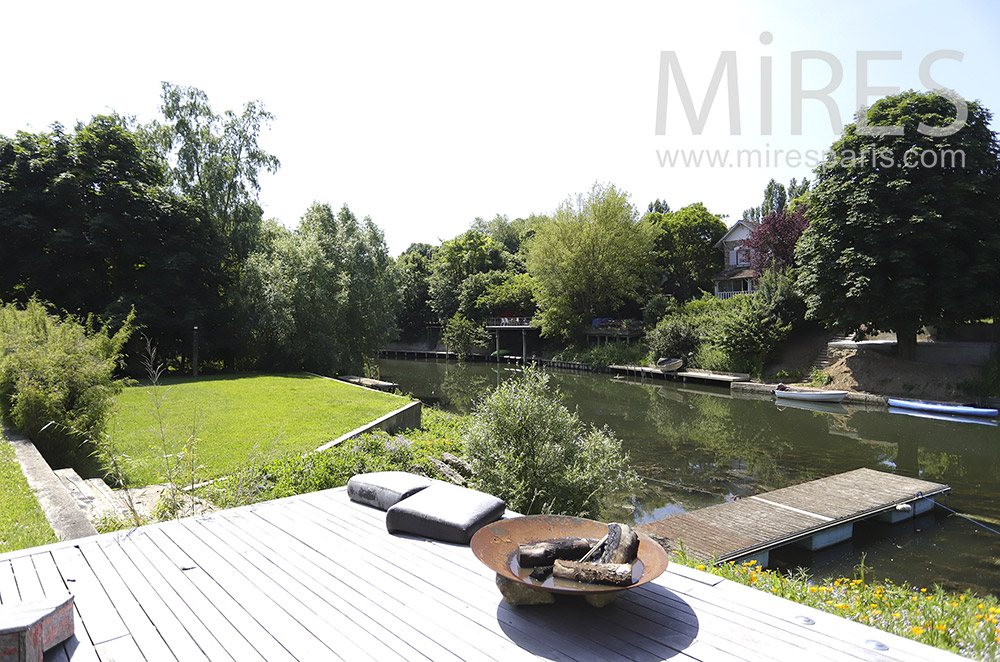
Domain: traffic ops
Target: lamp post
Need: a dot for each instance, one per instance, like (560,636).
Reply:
(194,354)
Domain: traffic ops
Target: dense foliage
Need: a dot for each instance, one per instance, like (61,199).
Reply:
(526,447)
(163,219)
(686,256)
(591,258)
(772,242)
(737,334)
(904,230)
(57,381)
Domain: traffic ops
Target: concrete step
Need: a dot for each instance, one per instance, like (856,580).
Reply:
(93,495)
(77,488)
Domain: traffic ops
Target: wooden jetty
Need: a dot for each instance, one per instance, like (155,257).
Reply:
(367,382)
(814,515)
(697,376)
(317,577)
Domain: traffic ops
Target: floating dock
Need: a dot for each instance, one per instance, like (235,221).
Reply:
(814,515)
(376,384)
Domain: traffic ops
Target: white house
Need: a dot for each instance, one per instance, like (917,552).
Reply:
(736,277)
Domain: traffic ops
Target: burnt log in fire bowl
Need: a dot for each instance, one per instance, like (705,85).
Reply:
(497,544)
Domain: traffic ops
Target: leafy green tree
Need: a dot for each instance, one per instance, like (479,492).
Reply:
(685,249)
(215,160)
(904,229)
(462,335)
(658,206)
(470,253)
(591,257)
(321,297)
(413,271)
(90,224)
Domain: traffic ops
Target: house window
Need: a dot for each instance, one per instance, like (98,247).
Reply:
(742,257)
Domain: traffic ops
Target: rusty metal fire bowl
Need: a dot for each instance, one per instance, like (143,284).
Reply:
(496,546)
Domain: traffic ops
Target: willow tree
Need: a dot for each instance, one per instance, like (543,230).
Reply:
(904,230)
(592,256)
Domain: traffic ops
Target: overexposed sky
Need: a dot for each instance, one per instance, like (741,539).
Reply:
(427,115)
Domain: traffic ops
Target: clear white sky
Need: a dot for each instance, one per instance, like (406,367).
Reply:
(426,115)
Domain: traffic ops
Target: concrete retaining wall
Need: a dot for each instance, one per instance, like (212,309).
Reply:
(404,418)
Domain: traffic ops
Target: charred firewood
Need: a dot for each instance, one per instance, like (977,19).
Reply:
(541,572)
(547,551)
(622,545)
(616,574)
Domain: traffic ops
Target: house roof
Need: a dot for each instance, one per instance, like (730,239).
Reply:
(735,272)
(749,225)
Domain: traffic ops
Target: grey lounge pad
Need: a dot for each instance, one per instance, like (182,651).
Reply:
(383,489)
(444,512)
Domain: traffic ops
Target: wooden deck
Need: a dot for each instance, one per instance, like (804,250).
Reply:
(317,577)
(749,526)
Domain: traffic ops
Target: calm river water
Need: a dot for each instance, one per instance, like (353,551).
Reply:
(696,446)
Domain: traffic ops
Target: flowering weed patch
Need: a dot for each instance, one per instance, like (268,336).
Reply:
(964,623)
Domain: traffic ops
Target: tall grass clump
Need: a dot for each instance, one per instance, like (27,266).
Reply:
(526,447)
(57,377)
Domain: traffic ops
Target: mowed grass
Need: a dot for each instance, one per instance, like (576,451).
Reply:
(22,522)
(233,419)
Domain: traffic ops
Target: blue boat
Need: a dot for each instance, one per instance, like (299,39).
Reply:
(957,410)
(951,418)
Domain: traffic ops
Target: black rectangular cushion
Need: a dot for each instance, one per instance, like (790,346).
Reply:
(444,511)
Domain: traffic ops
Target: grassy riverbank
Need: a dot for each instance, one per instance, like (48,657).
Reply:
(212,425)
(22,522)
(964,623)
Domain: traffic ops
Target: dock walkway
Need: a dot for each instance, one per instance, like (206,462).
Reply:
(317,577)
(815,514)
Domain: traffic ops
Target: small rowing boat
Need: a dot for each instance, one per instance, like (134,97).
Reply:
(939,408)
(782,392)
(669,365)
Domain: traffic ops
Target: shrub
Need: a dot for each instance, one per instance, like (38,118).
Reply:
(674,336)
(57,371)
(601,356)
(526,447)
(299,474)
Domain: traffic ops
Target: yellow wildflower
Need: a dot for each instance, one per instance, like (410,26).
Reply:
(917,630)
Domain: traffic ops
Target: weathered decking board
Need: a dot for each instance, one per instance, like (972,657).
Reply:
(317,577)
(754,524)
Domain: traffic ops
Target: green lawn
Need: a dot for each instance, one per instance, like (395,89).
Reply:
(22,522)
(235,419)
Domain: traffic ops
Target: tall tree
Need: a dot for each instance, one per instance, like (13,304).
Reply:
(592,256)
(772,243)
(89,223)
(215,160)
(413,271)
(469,253)
(685,249)
(321,297)
(904,230)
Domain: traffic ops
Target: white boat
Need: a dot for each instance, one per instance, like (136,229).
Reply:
(812,396)
(941,408)
(669,365)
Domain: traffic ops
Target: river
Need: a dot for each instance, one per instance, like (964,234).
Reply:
(697,446)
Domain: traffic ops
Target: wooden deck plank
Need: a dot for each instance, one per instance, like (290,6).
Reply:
(467,582)
(454,584)
(152,603)
(329,566)
(668,626)
(8,585)
(363,578)
(29,586)
(637,637)
(282,636)
(163,572)
(292,596)
(134,614)
(104,628)
(761,522)
(308,565)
